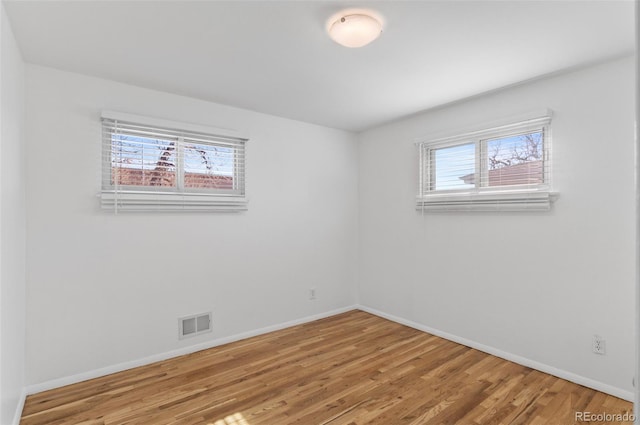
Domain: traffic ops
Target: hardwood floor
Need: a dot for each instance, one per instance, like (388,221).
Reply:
(353,368)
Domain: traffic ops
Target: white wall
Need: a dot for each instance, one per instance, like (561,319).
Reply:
(637,297)
(535,285)
(105,289)
(12,224)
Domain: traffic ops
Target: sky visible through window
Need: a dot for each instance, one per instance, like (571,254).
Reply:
(452,164)
(514,150)
(128,151)
(453,168)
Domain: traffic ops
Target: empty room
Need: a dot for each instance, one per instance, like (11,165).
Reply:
(318,212)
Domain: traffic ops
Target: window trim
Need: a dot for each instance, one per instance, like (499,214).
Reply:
(141,198)
(484,198)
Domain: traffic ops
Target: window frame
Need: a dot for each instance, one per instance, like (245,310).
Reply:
(482,197)
(178,197)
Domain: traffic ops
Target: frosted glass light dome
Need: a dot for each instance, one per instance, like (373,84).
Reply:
(355,29)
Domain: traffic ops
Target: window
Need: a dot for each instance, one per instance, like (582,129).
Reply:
(501,168)
(170,167)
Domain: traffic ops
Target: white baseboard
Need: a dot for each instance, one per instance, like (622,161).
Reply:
(18,414)
(73,379)
(569,376)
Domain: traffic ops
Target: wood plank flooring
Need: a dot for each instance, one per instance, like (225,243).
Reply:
(353,368)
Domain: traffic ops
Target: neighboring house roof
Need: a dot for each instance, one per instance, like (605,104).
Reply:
(525,173)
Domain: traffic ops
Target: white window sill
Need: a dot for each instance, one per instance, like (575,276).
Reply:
(170,201)
(487,201)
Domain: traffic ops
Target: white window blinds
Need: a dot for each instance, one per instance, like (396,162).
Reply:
(171,167)
(500,168)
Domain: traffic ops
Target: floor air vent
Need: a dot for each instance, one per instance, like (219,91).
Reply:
(194,325)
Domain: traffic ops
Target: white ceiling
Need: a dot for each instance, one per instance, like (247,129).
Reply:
(275,57)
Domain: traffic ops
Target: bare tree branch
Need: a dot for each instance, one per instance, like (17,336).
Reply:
(159,173)
(528,149)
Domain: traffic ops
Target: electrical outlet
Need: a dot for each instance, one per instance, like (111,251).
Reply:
(312,293)
(599,345)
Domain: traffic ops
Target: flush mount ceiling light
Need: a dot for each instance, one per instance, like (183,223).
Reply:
(354,27)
